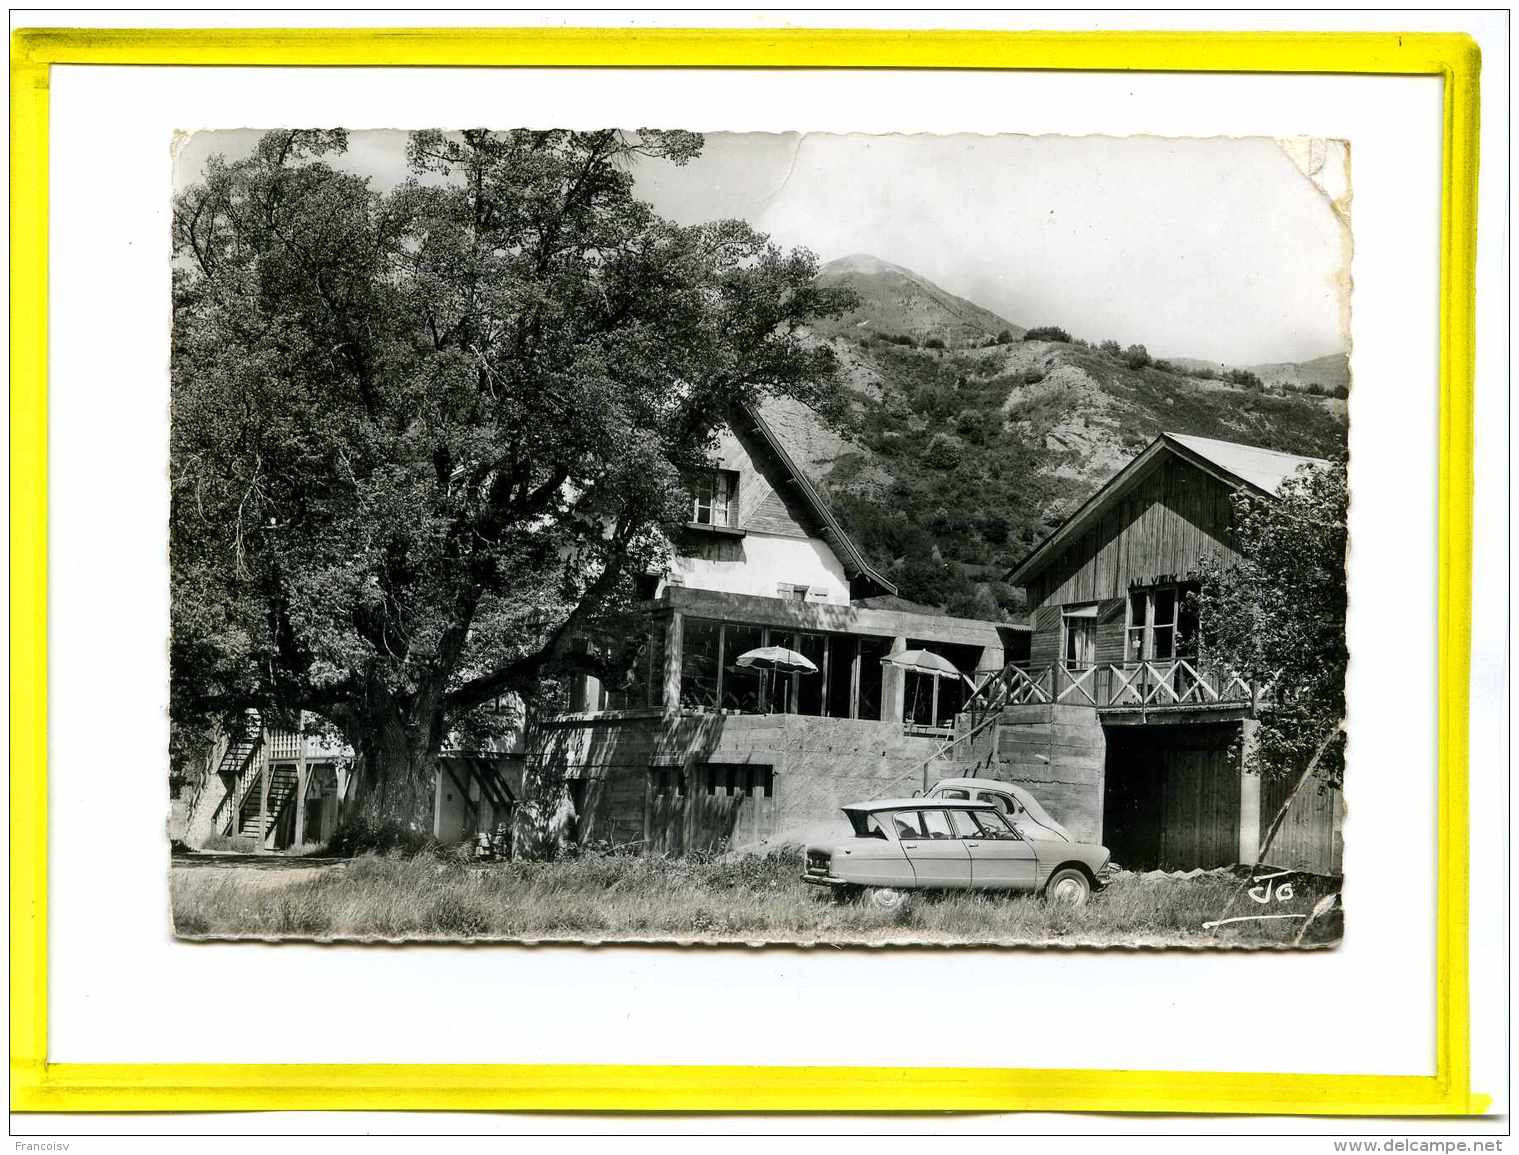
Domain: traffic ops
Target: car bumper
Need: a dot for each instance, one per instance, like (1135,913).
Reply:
(823,880)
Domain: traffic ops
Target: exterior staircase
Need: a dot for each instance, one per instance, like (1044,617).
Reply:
(282,787)
(230,765)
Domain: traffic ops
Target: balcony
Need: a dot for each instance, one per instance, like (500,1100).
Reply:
(1175,689)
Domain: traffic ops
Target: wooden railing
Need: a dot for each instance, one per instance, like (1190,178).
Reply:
(1175,683)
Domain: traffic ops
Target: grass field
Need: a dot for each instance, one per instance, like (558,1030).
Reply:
(756,899)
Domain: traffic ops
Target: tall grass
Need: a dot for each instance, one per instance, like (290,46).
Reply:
(757,899)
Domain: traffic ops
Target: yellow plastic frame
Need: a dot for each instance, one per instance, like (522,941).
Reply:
(38,1085)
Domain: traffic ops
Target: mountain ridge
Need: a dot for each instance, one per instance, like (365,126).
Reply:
(963,444)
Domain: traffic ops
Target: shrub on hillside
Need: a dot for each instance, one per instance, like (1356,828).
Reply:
(1246,379)
(1033,376)
(1136,356)
(1111,348)
(1005,337)
(943,452)
(1047,333)
(971,425)
(933,343)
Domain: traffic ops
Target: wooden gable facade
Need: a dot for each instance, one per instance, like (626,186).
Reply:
(1149,527)
(1153,533)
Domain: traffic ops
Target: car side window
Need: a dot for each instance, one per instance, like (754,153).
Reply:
(907,824)
(1001,801)
(963,795)
(965,824)
(993,825)
(936,825)
(873,828)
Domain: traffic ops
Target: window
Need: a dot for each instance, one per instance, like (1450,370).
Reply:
(1162,623)
(847,683)
(644,682)
(965,824)
(1001,801)
(744,689)
(934,701)
(791,593)
(736,780)
(872,650)
(1080,648)
(840,675)
(908,824)
(799,693)
(700,661)
(993,825)
(865,825)
(936,825)
(953,794)
(714,497)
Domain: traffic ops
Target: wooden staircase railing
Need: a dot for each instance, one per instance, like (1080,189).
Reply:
(238,760)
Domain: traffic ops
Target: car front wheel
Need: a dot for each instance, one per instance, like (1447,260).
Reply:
(1069,887)
(887,898)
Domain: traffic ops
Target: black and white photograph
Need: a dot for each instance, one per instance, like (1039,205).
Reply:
(637,535)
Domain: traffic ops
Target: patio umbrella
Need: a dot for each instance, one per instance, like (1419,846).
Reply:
(777,658)
(925,662)
(929,664)
(774,658)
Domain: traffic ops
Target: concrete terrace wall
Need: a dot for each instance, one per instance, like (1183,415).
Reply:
(1058,753)
(818,764)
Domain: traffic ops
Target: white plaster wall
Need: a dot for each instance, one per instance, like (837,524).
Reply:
(768,561)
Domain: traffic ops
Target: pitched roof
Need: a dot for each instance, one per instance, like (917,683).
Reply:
(1236,465)
(1265,469)
(829,529)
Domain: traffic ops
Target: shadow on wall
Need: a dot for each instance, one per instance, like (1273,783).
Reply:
(676,784)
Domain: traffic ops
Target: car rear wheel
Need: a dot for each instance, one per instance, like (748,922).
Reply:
(1068,887)
(887,898)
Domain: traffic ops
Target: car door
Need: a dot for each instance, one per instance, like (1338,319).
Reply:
(939,856)
(1000,858)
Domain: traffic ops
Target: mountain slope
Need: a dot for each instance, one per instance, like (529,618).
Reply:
(896,301)
(1331,373)
(952,463)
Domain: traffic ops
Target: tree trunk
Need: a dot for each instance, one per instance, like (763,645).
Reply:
(400,766)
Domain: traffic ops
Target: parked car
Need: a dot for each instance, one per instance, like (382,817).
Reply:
(1022,808)
(906,844)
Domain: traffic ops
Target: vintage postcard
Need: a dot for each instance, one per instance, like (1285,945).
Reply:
(740,538)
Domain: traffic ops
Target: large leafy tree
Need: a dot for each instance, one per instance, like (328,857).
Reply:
(425,440)
(1277,616)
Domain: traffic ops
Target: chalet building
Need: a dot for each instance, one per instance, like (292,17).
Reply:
(693,751)
(1115,721)
(690,750)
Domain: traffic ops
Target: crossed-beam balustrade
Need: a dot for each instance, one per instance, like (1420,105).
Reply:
(1180,683)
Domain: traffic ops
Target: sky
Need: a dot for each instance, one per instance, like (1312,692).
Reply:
(1220,249)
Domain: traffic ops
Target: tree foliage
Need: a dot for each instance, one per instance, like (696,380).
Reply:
(425,439)
(1277,616)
